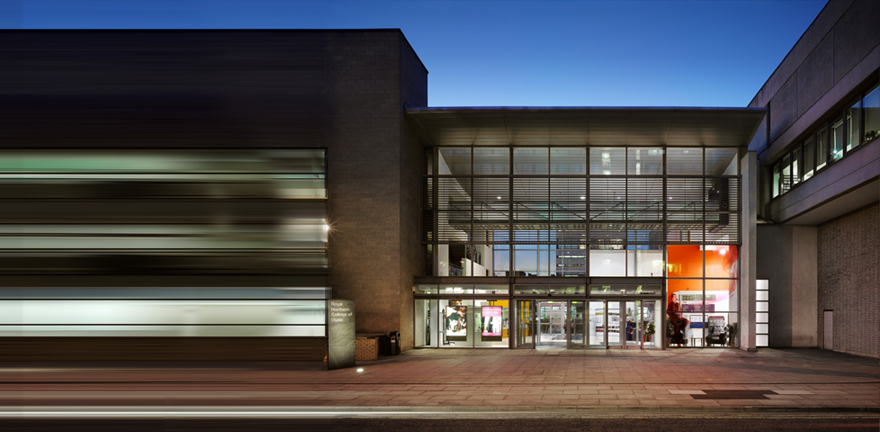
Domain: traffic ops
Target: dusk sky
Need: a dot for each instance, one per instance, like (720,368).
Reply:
(510,53)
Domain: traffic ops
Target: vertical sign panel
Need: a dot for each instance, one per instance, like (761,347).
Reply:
(340,334)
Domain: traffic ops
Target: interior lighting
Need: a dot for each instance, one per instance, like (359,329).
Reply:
(722,251)
(326,227)
(499,197)
(583,197)
(360,369)
(606,155)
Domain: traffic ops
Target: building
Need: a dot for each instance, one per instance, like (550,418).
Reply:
(201,194)
(817,152)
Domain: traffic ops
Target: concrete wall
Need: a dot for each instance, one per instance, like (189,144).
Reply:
(788,261)
(849,281)
(340,90)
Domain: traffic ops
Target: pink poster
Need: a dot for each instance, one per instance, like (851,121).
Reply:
(491,320)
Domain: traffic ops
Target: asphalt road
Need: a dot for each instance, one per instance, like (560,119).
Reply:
(715,423)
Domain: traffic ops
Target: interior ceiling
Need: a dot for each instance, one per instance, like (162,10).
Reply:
(713,127)
(862,196)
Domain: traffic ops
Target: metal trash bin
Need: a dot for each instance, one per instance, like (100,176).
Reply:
(395,342)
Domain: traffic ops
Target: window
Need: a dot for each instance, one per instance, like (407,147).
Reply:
(856,124)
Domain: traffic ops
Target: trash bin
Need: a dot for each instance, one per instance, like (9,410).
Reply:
(384,345)
(395,342)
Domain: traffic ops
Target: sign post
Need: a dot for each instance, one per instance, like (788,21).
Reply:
(340,334)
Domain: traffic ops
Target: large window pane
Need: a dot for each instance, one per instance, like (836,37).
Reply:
(721,295)
(645,161)
(456,161)
(491,160)
(795,166)
(684,161)
(568,160)
(837,139)
(786,173)
(821,148)
(607,161)
(871,105)
(721,161)
(644,262)
(684,261)
(777,179)
(530,161)
(809,157)
(854,125)
(607,262)
(722,261)
(687,292)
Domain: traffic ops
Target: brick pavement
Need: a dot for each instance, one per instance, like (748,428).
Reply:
(796,379)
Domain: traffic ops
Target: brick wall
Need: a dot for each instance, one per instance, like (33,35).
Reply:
(848,281)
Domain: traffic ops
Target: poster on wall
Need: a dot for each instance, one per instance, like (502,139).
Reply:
(492,323)
(456,323)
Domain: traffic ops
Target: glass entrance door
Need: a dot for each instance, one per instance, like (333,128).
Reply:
(596,324)
(552,324)
(525,334)
(632,329)
(578,324)
(616,315)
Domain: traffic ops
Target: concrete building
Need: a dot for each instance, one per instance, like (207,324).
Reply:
(201,194)
(817,153)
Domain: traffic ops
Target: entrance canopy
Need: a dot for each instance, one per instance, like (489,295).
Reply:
(617,126)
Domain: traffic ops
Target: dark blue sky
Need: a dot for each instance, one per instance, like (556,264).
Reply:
(512,53)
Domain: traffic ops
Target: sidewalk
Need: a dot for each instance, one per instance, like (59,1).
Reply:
(478,380)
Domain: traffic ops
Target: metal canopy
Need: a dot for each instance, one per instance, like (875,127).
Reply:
(529,126)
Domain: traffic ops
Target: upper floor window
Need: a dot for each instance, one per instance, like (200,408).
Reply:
(857,124)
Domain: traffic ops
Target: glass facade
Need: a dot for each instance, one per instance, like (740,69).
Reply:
(668,213)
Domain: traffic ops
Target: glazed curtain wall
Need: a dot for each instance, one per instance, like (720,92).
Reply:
(574,211)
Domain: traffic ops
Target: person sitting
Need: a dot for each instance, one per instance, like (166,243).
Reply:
(679,323)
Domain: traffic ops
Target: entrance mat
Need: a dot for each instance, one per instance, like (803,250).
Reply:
(733,394)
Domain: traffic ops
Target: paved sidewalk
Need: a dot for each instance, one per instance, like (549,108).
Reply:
(471,380)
